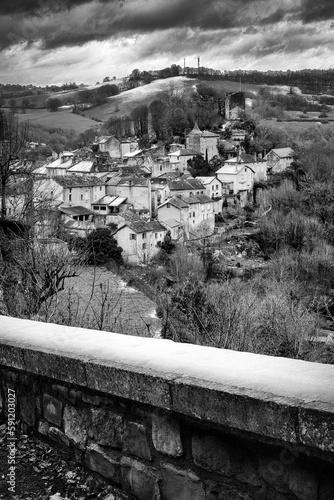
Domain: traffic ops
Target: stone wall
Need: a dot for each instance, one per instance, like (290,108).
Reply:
(171,421)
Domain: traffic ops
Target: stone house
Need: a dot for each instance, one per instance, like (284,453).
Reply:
(235,103)
(213,186)
(179,159)
(163,189)
(60,165)
(195,214)
(140,240)
(81,190)
(136,190)
(203,142)
(279,159)
(236,177)
(110,208)
(109,144)
(82,167)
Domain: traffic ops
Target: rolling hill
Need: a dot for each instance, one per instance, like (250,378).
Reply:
(125,102)
(65,120)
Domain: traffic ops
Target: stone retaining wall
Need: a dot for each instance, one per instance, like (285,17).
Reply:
(172,421)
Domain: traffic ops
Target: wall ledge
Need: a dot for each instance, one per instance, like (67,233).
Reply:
(278,398)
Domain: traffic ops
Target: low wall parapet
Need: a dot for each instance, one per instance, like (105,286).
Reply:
(165,420)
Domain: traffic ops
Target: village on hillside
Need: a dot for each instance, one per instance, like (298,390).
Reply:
(141,194)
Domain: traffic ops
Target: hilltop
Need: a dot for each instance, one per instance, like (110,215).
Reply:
(124,103)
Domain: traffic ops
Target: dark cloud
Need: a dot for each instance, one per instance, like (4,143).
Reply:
(251,30)
(60,23)
(35,7)
(320,10)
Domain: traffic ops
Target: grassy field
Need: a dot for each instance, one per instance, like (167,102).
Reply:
(98,293)
(125,102)
(295,126)
(65,120)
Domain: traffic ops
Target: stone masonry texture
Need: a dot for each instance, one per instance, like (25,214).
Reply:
(166,436)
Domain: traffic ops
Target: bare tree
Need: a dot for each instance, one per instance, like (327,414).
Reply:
(13,139)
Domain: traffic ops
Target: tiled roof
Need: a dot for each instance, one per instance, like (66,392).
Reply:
(104,138)
(143,226)
(196,129)
(206,180)
(76,210)
(175,202)
(68,181)
(82,166)
(185,152)
(284,152)
(207,133)
(233,168)
(199,198)
(184,184)
(110,201)
(170,223)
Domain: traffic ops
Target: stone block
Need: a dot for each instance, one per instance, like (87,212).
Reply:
(181,484)
(210,453)
(106,427)
(289,477)
(76,424)
(52,409)
(128,384)
(91,399)
(59,390)
(43,427)
(55,366)
(135,441)
(166,436)
(141,480)
(105,463)
(317,428)
(57,435)
(27,408)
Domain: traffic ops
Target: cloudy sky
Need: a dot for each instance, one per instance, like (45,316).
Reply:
(56,41)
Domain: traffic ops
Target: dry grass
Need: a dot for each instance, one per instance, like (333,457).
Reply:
(65,120)
(99,299)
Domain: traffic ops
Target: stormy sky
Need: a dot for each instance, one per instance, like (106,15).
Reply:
(56,41)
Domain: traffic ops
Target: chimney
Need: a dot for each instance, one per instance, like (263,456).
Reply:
(255,157)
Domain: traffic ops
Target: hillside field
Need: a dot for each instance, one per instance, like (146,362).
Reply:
(125,102)
(65,120)
(297,126)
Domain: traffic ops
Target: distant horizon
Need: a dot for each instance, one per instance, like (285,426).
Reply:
(45,42)
(157,69)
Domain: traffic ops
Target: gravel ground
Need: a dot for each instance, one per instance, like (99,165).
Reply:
(45,473)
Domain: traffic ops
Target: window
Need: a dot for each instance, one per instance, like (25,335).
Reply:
(217,187)
(143,236)
(213,187)
(168,205)
(100,188)
(144,246)
(160,168)
(81,196)
(69,197)
(156,235)
(95,207)
(133,236)
(193,214)
(103,208)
